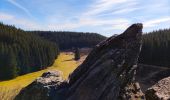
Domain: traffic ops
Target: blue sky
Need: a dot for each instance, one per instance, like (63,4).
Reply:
(106,17)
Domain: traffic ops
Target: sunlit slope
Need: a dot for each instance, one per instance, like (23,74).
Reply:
(64,63)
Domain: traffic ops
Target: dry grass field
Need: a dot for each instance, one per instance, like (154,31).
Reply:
(65,63)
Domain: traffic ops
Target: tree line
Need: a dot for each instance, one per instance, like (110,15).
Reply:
(156,48)
(23,52)
(68,40)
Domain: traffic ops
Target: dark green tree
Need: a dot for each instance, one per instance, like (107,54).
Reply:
(77,54)
(12,71)
(68,40)
(23,52)
(8,65)
(156,48)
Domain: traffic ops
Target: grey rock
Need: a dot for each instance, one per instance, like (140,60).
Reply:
(108,69)
(44,87)
(159,91)
(106,74)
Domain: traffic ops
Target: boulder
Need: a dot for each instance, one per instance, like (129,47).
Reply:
(106,74)
(43,88)
(159,91)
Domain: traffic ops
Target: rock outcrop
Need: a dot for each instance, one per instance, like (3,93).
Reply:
(106,74)
(43,88)
(159,91)
(108,69)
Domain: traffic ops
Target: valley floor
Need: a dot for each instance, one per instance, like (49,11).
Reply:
(65,63)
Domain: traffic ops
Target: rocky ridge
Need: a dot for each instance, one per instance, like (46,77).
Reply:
(106,74)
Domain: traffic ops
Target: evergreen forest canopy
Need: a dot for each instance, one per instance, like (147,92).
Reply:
(22,52)
(68,40)
(156,48)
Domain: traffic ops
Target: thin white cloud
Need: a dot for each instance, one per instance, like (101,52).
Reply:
(90,22)
(4,16)
(126,10)
(13,2)
(121,26)
(88,18)
(64,26)
(155,22)
(100,16)
(21,22)
(27,24)
(103,5)
(97,22)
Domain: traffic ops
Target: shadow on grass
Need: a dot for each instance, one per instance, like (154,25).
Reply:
(68,60)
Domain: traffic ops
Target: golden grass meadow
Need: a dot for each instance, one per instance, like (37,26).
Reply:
(65,63)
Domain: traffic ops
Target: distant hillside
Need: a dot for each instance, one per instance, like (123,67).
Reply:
(156,48)
(22,52)
(68,40)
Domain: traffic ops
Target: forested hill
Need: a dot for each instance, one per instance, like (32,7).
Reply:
(22,52)
(68,40)
(156,48)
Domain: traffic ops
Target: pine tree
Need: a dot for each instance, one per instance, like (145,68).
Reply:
(77,54)
(23,52)
(8,65)
(156,47)
(11,65)
(67,40)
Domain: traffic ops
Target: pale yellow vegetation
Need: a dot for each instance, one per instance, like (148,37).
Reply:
(10,88)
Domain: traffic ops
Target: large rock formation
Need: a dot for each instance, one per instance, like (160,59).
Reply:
(106,74)
(159,91)
(108,68)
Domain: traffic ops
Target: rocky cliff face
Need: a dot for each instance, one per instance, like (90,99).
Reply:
(106,74)
(108,69)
